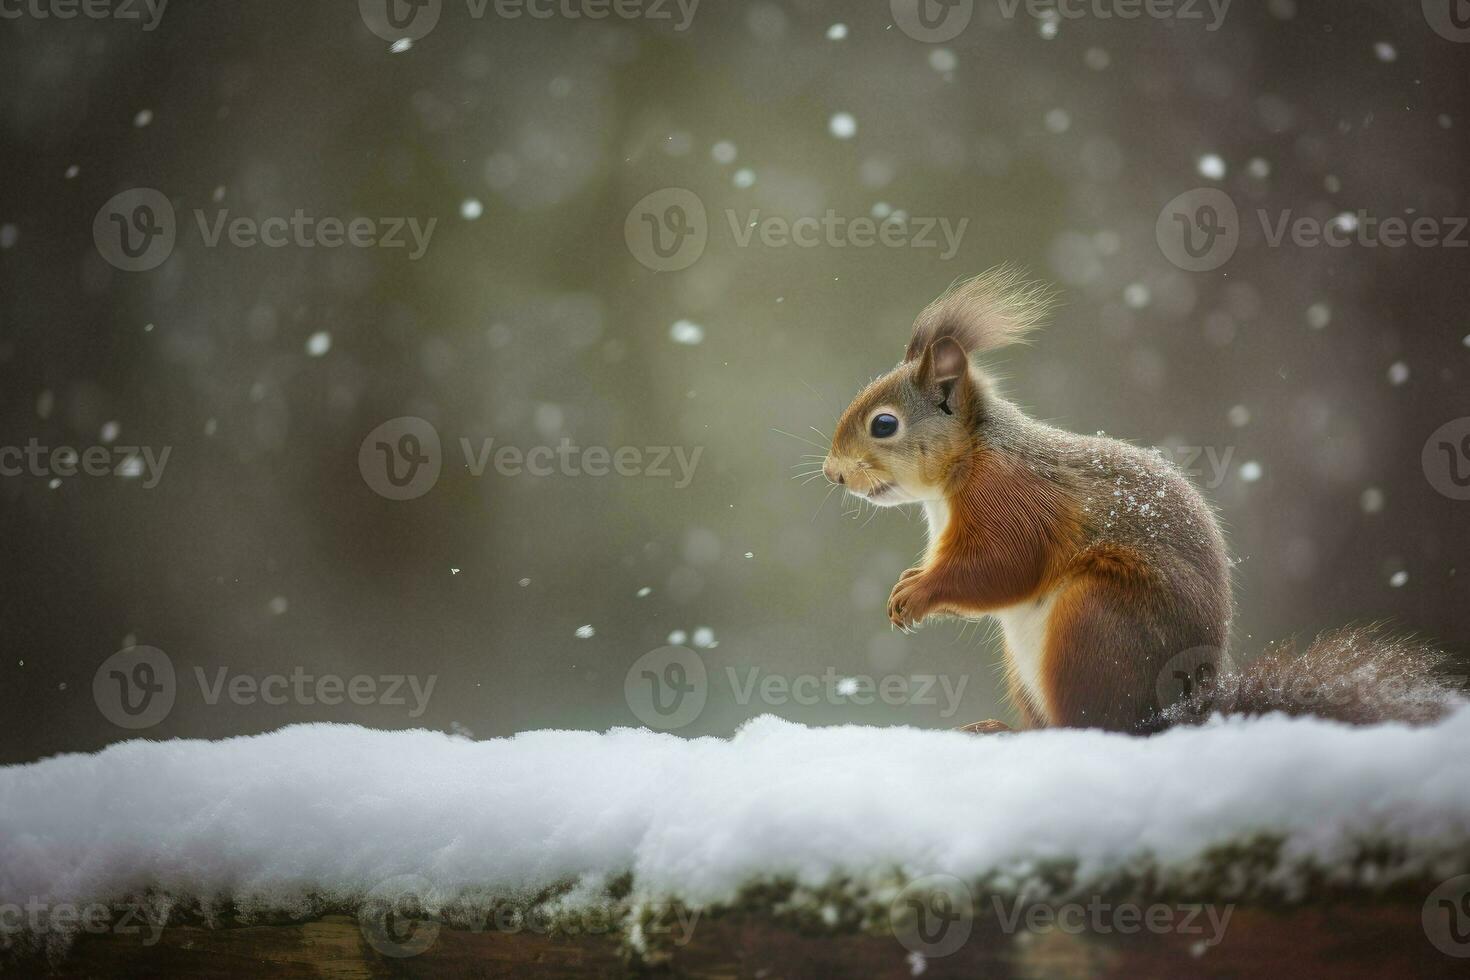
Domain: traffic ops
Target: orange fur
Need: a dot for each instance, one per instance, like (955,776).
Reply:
(1008,536)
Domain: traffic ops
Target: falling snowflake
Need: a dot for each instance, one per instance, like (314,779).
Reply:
(842,125)
(686,332)
(1212,166)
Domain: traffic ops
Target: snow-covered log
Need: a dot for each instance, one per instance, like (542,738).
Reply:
(662,849)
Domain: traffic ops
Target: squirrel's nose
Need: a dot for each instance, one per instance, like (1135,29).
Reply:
(831,472)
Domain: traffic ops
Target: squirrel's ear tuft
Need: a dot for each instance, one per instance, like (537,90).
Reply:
(992,310)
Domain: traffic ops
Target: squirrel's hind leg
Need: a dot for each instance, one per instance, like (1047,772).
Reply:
(1103,654)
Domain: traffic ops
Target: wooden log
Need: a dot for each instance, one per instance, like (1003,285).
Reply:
(1348,940)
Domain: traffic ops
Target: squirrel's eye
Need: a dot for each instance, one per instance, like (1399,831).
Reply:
(883,426)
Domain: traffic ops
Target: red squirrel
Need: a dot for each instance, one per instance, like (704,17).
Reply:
(1105,567)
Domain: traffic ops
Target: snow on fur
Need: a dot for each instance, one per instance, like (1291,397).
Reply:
(332,811)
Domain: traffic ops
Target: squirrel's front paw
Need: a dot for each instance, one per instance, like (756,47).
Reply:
(910,601)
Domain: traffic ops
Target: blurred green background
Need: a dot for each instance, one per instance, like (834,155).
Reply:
(1314,375)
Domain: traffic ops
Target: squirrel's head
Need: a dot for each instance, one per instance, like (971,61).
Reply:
(903,435)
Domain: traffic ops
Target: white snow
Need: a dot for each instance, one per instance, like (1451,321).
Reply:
(842,125)
(337,810)
(1212,166)
(686,332)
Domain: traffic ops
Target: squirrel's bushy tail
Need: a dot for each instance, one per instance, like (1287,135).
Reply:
(1361,675)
